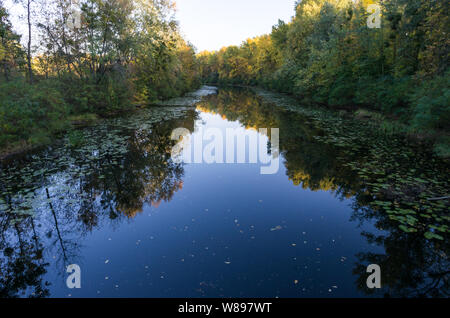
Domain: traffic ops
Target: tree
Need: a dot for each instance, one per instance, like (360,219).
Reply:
(27,4)
(11,52)
(328,55)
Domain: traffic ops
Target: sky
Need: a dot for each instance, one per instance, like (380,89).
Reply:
(213,24)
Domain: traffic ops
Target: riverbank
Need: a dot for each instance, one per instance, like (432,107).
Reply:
(71,123)
(24,146)
(397,76)
(389,124)
(342,198)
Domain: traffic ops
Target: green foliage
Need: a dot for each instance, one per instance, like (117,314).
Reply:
(442,147)
(123,54)
(30,113)
(328,55)
(12,55)
(75,138)
(431,104)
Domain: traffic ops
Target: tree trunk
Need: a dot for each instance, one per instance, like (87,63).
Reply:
(30,71)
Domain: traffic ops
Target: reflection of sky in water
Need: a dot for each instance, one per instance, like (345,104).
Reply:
(141,225)
(216,140)
(229,231)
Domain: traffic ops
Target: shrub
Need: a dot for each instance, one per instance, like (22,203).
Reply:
(30,113)
(431,104)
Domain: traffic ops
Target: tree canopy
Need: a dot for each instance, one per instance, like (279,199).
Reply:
(88,57)
(328,55)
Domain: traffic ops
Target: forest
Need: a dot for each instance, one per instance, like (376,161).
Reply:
(123,54)
(113,55)
(94,172)
(327,55)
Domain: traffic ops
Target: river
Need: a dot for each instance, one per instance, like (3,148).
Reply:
(139,223)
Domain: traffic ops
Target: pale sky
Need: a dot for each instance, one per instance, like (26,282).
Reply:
(213,24)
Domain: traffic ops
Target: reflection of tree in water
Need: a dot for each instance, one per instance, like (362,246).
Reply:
(111,190)
(309,163)
(22,264)
(412,266)
(148,175)
(73,204)
(62,241)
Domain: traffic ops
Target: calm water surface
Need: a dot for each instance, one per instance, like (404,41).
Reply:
(141,225)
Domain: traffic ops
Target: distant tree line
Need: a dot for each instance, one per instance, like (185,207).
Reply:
(328,55)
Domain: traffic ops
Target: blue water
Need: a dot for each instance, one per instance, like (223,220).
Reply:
(195,229)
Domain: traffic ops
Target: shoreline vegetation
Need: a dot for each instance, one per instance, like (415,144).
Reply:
(121,55)
(327,55)
(129,54)
(387,123)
